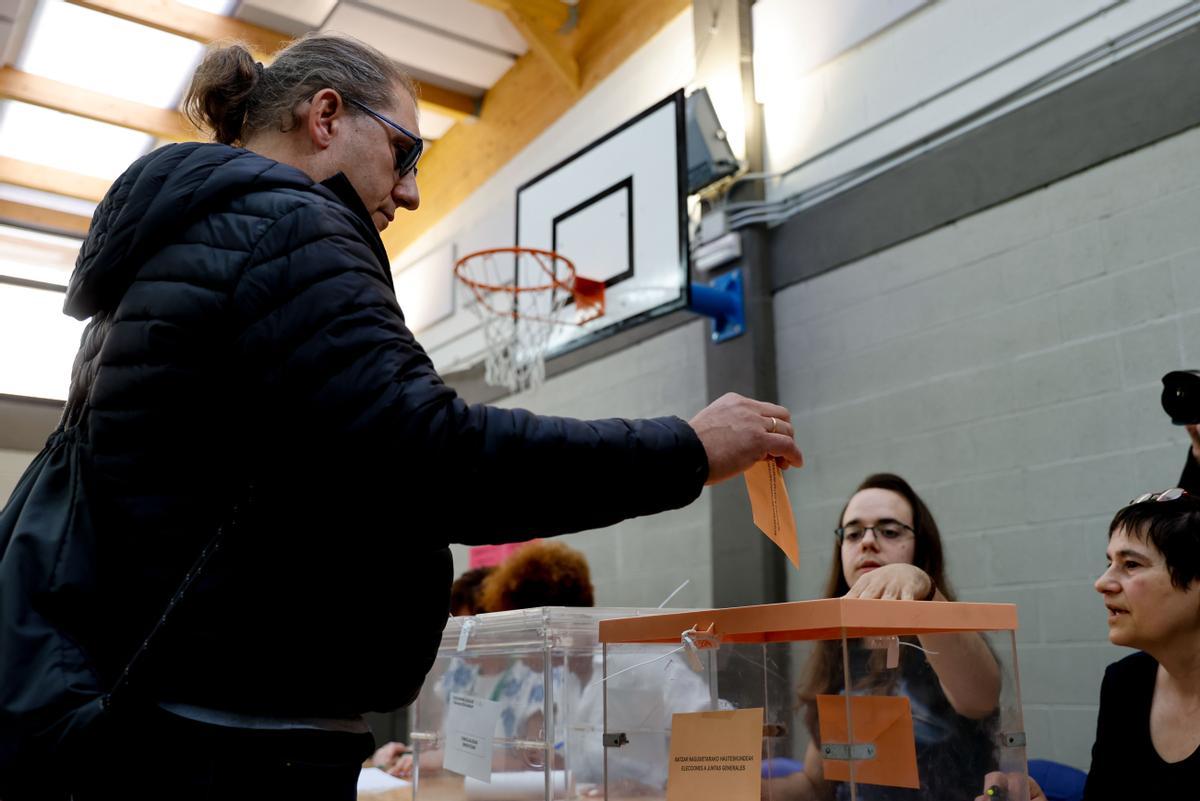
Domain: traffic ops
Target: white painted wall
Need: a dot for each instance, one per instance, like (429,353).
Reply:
(946,60)
(12,464)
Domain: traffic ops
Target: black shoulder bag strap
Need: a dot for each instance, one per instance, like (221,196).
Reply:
(189,578)
(76,414)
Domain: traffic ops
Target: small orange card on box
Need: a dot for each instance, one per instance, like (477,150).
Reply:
(885,721)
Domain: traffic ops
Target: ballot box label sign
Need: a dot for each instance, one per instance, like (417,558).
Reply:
(470,727)
(716,756)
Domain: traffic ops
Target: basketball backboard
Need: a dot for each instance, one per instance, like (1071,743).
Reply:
(617,208)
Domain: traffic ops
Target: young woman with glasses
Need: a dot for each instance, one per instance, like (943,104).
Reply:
(889,548)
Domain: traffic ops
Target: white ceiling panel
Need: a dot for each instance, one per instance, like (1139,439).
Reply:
(420,48)
(67,142)
(109,55)
(222,7)
(34,197)
(466,19)
(434,125)
(35,256)
(308,14)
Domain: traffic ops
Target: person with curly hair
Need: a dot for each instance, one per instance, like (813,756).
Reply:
(542,573)
(465,591)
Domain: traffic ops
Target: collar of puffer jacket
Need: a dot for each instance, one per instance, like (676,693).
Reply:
(159,195)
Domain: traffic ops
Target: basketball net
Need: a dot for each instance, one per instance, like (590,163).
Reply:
(521,295)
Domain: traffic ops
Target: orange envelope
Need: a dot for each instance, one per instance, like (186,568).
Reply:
(772,509)
(882,720)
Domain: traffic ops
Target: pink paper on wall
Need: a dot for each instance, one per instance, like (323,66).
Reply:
(489,555)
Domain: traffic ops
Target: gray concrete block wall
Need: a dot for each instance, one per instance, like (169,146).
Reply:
(640,561)
(1008,365)
(12,465)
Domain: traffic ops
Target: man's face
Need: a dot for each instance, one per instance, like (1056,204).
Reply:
(368,158)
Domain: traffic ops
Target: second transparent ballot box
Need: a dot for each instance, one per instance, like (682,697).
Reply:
(512,708)
(884,699)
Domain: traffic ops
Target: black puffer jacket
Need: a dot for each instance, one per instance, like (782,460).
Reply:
(245,332)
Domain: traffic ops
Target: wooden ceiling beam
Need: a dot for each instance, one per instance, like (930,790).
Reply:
(201,26)
(446,101)
(546,44)
(538,22)
(525,102)
(51,179)
(38,91)
(43,218)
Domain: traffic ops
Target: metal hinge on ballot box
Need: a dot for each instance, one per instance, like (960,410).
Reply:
(1012,739)
(848,752)
(615,739)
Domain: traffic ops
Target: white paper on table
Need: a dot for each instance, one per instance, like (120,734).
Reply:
(374,780)
(522,785)
(470,727)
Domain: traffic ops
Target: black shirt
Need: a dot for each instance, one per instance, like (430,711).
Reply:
(1125,764)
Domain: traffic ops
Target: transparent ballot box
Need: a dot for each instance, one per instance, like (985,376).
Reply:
(933,711)
(512,709)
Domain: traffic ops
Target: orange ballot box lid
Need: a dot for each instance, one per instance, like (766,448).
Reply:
(826,619)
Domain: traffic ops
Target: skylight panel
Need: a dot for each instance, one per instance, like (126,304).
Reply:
(67,142)
(105,54)
(34,256)
(222,7)
(40,342)
(434,125)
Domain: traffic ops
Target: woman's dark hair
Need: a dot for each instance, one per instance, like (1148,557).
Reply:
(466,589)
(234,96)
(542,573)
(823,673)
(1173,527)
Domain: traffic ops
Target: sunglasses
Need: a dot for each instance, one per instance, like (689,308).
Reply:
(1166,495)
(406,156)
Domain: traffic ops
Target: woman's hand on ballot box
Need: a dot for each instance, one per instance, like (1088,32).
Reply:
(894,582)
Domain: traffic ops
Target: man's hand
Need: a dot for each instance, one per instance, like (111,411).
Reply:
(895,582)
(737,432)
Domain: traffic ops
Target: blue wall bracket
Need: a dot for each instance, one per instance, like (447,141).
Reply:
(722,300)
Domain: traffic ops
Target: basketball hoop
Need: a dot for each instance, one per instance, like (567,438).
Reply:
(520,303)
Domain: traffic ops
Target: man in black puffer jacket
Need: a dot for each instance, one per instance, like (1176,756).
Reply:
(246,350)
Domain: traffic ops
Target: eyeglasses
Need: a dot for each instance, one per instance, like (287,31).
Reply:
(406,157)
(1166,495)
(889,532)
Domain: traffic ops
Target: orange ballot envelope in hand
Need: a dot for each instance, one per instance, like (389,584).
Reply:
(883,721)
(772,509)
